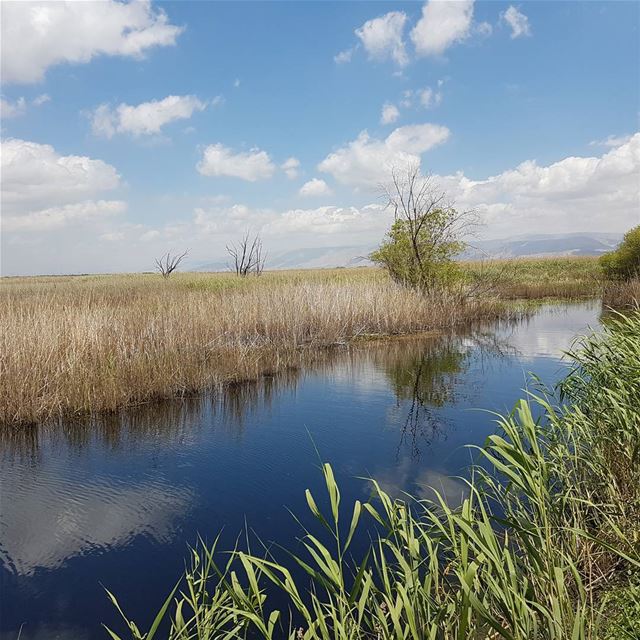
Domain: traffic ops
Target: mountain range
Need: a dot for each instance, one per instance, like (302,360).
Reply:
(526,246)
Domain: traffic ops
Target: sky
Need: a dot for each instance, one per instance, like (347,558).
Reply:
(130,129)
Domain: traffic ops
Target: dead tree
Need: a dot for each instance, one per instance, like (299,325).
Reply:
(167,264)
(248,255)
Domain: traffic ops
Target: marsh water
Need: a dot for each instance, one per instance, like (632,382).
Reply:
(114,502)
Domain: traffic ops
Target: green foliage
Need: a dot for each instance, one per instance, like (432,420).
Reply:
(542,547)
(624,262)
(419,258)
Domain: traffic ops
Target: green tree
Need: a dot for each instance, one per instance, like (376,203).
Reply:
(426,236)
(624,262)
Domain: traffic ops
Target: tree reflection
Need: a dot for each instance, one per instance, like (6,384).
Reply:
(423,376)
(429,375)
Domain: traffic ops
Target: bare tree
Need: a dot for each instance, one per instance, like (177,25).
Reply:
(248,255)
(428,231)
(167,264)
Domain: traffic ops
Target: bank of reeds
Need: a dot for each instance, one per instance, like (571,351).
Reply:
(72,346)
(623,294)
(571,277)
(546,545)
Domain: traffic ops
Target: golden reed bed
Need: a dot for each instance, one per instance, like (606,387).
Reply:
(75,345)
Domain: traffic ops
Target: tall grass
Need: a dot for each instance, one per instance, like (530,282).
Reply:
(622,294)
(546,540)
(535,278)
(76,345)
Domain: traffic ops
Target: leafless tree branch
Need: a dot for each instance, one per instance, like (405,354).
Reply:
(248,255)
(167,264)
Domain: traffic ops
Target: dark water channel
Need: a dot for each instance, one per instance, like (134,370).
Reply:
(115,502)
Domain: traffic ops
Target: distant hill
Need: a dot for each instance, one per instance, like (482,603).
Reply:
(528,246)
(532,246)
(307,258)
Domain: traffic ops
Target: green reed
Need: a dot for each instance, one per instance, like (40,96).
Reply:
(545,545)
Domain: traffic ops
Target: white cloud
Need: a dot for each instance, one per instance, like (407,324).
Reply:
(146,118)
(17,108)
(10,109)
(390,113)
(599,193)
(574,194)
(518,22)
(443,23)
(429,98)
(42,190)
(611,141)
(57,217)
(34,176)
(100,514)
(251,165)
(329,221)
(347,224)
(383,37)
(315,187)
(407,98)
(484,29)
(291,167)
(236,83)
(344,56)
(38,35)
(368,161)
(41,99)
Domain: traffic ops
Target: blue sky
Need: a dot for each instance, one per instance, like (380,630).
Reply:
(133,129)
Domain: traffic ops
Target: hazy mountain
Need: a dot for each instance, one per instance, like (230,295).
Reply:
(528,246)
(308,258)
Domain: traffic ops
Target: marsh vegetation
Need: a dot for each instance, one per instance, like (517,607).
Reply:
(546,545)
(76,345)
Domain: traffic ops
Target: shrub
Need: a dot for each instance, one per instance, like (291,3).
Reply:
(624,262)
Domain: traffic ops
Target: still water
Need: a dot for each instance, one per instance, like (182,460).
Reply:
(114,503)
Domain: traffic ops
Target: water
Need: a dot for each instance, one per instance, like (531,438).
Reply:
(113,503)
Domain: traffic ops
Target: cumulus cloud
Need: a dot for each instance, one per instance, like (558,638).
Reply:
(518,22)
(328,221)
(347,223)
(291,167)
(576,193)
(42,190)
(39,35)
(315,187)
(251,165)
(147,118)
(383,37)
(35,176)
(368,161)
(57,217)
(390,113)
(443,23)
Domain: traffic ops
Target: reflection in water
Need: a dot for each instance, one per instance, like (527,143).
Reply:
(51,517)
(115,499)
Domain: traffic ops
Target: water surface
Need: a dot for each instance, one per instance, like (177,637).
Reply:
(114,502)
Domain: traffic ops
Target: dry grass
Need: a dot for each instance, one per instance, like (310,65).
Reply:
(620,295)
(75,345)
(538,278)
